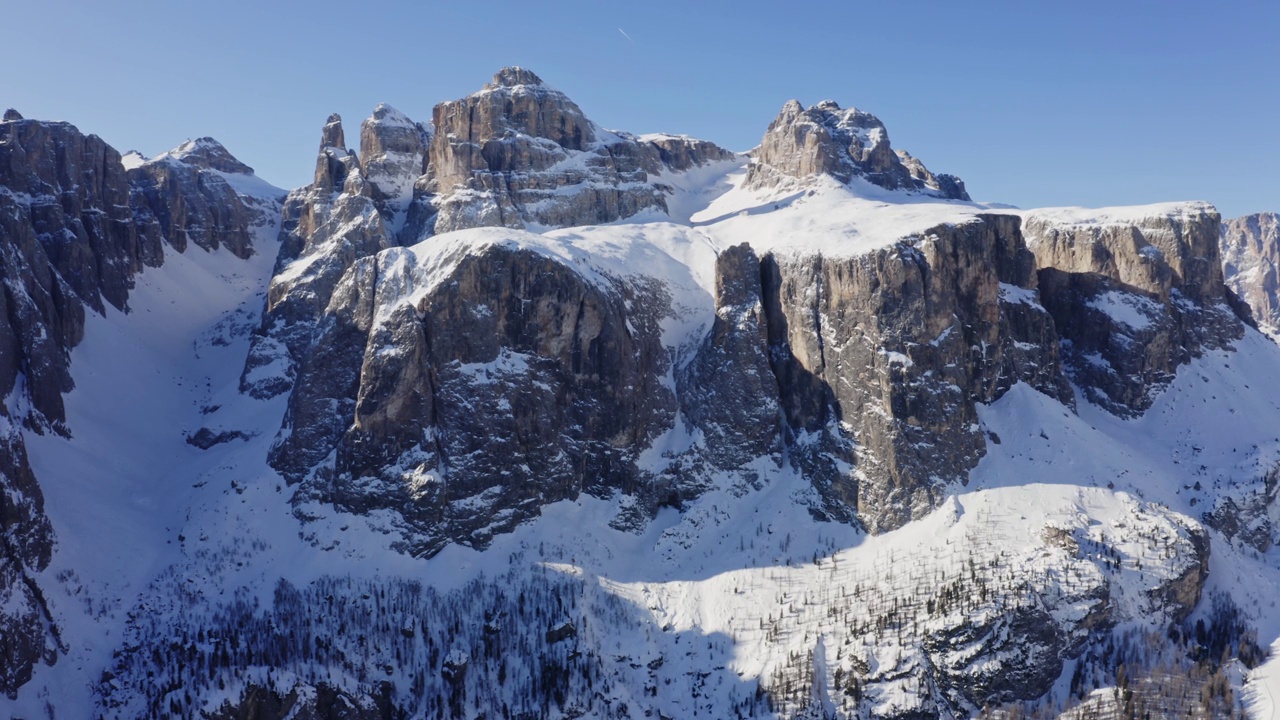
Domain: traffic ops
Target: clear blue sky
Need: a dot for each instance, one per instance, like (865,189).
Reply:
(1087,103)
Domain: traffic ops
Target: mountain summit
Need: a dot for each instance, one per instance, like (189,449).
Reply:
(826,140)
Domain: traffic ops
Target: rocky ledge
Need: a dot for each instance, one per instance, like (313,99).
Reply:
(827,140)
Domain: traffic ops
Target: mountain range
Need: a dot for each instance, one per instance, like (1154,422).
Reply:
(508,415)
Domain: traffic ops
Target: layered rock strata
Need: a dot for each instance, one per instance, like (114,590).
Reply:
(1135,293)
(521,154)
(825,139)
(516,154)
(1250,258)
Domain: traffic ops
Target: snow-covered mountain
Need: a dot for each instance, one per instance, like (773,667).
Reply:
(509,415)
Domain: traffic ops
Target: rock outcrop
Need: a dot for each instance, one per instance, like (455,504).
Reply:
(193,203)
(863,370)
(1250,513)
(521,154)
(728,390)
(516,154)
(72,190)
(827,140)
(393,155)
(1135,293)
(509,381)
(881,358)
(1250,258)
(26,547)
(208,154)
(325,227)
(467,385)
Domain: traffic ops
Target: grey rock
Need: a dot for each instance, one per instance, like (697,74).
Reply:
(827,140)
(1133,299)
(26,547)
(890,351)
(1250,257)
(514,383)
(192,205)
(1251,513)
(728,390)
(521,154)
(516,154)
(205,438)
(325,228)
(393,155)
(1182,594)
(209,154)
(76,193)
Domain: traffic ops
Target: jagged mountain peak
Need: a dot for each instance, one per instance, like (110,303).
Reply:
(332,135)
(844,143)
(385,114)
(519,102)
(513,76)
(206,152)
(393,155)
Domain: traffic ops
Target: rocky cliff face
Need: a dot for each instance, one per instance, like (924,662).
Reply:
(186,193)
(521,154)
(393,155)
(827,140)
(884,355)
(517,154)
(325,227)
(75,227)
(26,547)
(865,370)
(1135,293)
(1250,257)
(509,383)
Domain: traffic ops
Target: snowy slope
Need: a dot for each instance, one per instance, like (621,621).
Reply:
(118,491)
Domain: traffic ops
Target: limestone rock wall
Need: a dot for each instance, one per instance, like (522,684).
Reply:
(1134,296)
(827,140)
(883,357)
(1250,257)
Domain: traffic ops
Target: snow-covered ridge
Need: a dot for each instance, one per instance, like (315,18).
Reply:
(684,258)
(828,217)
(133,159)
(1120,215)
